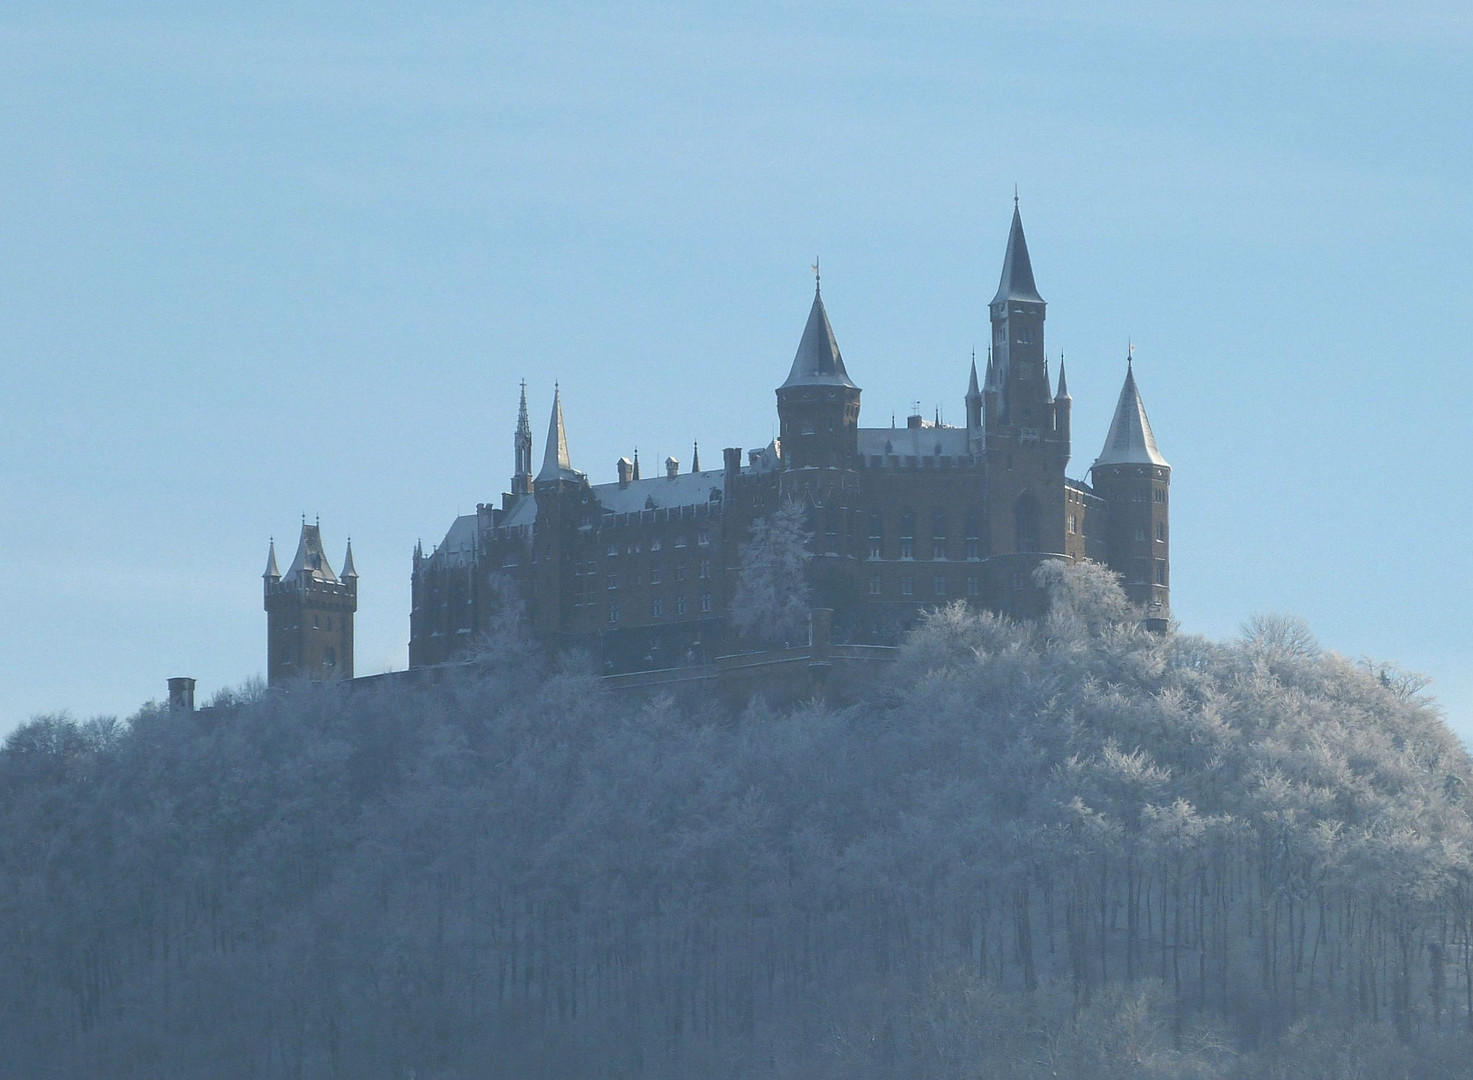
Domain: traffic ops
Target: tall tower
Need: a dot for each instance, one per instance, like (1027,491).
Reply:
(521,480)
(309,614)
(560,491)
(818,405)
(1135,480)
(1026,430)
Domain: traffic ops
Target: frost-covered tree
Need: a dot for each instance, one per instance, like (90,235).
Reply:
(772,599)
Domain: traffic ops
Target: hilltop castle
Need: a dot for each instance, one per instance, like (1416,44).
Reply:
(641,571)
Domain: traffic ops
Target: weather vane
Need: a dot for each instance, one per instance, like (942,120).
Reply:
(814,268)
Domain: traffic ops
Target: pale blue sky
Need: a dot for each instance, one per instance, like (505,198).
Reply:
(256,263)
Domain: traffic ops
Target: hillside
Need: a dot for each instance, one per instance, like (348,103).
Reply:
(1067,848)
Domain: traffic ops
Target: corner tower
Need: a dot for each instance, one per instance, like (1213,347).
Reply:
(309,614)
(818,405)
(1135,480)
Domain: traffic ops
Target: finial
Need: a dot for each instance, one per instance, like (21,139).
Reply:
(814,268)
(1015,196)
(1129,352)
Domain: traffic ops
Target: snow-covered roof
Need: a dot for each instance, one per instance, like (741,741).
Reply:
(914,442)
(658,493)
(462,534)
(310,559)
(1130,441)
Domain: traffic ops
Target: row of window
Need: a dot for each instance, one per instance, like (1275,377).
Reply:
(657,606)
(657,573)
(703,539)
(939,585)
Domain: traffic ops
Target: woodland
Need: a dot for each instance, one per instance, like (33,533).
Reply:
(1058,848)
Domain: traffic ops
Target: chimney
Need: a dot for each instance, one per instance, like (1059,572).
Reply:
(626,471)
(672,468)
(913,420)
(732,459)
(181,694)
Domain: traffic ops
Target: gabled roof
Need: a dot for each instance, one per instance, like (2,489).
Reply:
(1017,270)
(556,464)
(310,560)
(1130,441)
(818,362)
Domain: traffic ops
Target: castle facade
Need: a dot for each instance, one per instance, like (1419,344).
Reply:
(642,571)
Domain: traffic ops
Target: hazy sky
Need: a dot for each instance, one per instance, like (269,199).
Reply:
(256,263)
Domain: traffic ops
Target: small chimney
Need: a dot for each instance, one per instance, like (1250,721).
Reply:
(732,460)
(672,468)
(626,471)
(913,420)
(181,694)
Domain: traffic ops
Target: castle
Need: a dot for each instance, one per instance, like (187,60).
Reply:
(642,571)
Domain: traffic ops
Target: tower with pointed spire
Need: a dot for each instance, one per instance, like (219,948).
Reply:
(1134,480)
(818,404)
(521,480)
(309,613)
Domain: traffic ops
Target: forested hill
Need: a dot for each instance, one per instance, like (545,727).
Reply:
(1060,849)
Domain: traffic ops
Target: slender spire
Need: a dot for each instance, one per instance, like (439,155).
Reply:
(991,381)
(350,572)
(695,457)
(1063,382)
(817,362)
(972,390)
(1131,440)
(636,463)
(556,465)
(1017,269)
(271,574)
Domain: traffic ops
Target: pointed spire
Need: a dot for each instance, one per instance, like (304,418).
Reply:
(556,465)
(310,561)
(1063,382)
(695,457)
(523,424)
(636,463)
(1017,270)
(350,572)
(817,362)
(1130,441)
(972,390)
(271,574)
(991,381)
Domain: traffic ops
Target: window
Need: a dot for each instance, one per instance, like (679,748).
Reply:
(613,548)
(680,603)
(655,544)
(703,538)
(314,623)
(1160,495)
(680,540)
(874,584)
(705,601)
(657,607)
(974,586)
(831,530)
(1160,571)
(974,536)
(907,535)
(938,534)
(1140,532)
(704,571)
(876,535)
(655,574)
(613,613)
(1073,524)
(680,571)
(938,585)
(1161,530)
(907,585)
(329,657)
(613,581)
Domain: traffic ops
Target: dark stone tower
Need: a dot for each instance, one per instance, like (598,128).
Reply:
(818,405)
(1135,480)
(1027,433)
(309,614)
(560,491)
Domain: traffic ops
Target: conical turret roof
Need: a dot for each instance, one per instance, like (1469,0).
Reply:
(349,570)
(972,390)
(818,362)
(271,574)
(556,464)
(1017,270)
(310,559)
(1130,441)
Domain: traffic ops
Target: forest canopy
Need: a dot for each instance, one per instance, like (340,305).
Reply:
(1059,848)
